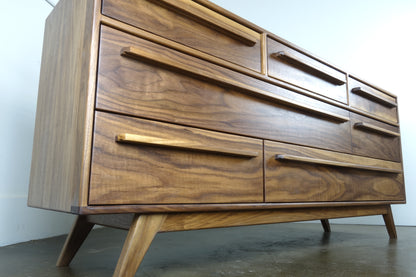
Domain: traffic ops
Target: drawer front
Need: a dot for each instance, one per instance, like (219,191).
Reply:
(193,25)
(144,88)
(137,161)
(301,174)
(375,139)
(372,101)
(289,65)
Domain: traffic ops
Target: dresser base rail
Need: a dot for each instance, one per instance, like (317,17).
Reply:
(143,227)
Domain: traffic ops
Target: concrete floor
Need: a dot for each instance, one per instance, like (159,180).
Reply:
(296,249)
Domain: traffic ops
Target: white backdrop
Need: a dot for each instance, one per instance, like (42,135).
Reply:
(372,38)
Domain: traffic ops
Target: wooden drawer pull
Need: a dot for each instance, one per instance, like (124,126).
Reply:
(284,157)
(212,20)
(371,127)
(319,72)
(181,144)
(141,53)
(370,95)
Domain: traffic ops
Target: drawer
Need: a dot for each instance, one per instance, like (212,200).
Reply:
(177,88)
(373,101)
(375,139)
(193,25)
(136,161)
(302,174)
(291,66)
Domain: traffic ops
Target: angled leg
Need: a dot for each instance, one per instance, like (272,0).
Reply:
(76,237)
(325,225)
(389,221)
(142,231)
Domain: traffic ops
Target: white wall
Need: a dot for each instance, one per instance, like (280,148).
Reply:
(22,24)
(372,38)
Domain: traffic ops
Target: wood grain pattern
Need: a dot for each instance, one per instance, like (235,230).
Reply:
(371,143)
(294,182)
(61,147)
(303,76)
(142,89)
(76,237)
(319,71)
(370,102)
(308,160)
(181,143)
(169,24)
(142,231)
(195,221)
(203,15)
(373,128)
(139,174)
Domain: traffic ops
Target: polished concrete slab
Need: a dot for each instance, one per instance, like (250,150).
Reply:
(295,249)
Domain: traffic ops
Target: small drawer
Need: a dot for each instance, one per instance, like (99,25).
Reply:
(375,139)
(373,101)
(136,161)
(193,25)
(302,174)
(291,66)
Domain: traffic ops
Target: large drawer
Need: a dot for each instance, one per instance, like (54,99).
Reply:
(375,139)
(136,161)
(166,85)
(193,25)
(372,100)
(289,65)
(302,174)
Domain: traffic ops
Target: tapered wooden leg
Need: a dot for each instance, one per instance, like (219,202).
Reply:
(76,237)
(142,231)
(325,225)
(389,221)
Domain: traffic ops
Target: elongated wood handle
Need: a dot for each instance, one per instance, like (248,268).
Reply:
(212,20)
(371,95)
(284,157)
(373,128)
(141,53)
(302,63)
(181,144)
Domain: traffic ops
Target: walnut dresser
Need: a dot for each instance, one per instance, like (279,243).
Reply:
(169,115)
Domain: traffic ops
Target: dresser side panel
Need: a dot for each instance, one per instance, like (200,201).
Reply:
(59,158)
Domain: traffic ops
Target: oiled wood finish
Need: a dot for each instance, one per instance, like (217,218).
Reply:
(229,102)
(142,231)
(76,237)
(212,19)
(185,144)
(140,174)
(306,72)
(61,147)
(372,142)
(195,221)
(370,102)
(167,23)
(389,221)
(291,181)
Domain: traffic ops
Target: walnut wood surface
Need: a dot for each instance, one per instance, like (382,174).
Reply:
(203,15)
(195,102)
(389,221)
(61,147)
(370,102)
(372,143)
(303,76)
(76,237)
(142,231)
(287,181)
(140,174)
(167,23)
